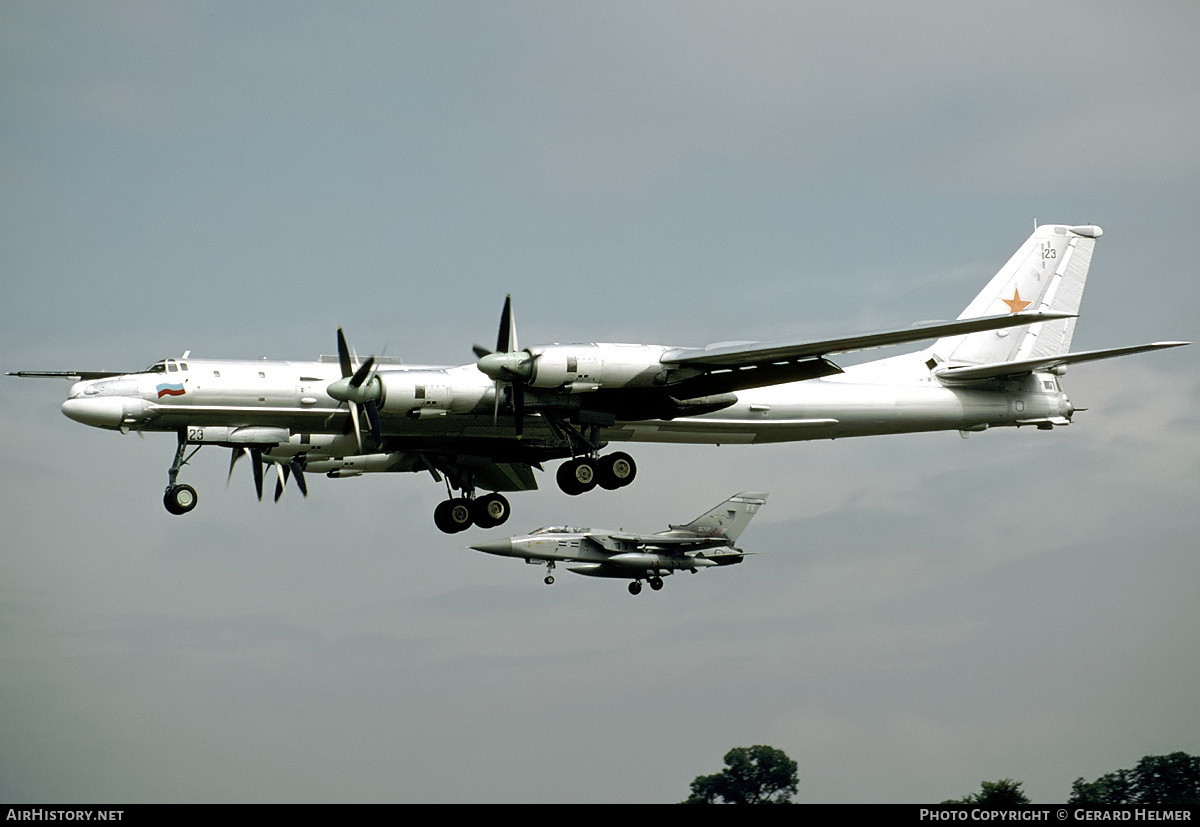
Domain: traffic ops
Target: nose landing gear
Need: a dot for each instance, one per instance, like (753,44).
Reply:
(180,499)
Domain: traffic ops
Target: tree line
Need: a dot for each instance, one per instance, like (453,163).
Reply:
(765,775)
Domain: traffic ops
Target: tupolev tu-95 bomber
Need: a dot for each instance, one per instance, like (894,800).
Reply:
(705,542)
(485,426)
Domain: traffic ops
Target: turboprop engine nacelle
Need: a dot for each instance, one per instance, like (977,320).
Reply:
(578,368)
(423,393)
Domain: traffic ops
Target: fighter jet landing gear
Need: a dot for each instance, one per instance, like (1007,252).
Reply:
(549,581)
(460,513)
(584,473)
(180,499)
(655,582)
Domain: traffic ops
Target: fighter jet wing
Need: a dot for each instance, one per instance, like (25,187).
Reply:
(675,544)
(760,354)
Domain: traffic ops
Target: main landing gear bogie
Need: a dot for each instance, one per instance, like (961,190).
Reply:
(460,513)
(582,474)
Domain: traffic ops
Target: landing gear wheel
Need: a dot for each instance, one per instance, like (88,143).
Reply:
(490,511)
(656,583)
(549,580)
(453,516)
(577,476)
(180,499)
(635,587)
(616,471)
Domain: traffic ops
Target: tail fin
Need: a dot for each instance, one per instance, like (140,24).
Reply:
(729,519)
(1047,274)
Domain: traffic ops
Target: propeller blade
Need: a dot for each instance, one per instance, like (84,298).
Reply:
(518,399)
(373,421)
(506,339)
(479,350)
(354,424)
(280,480)
(297,465)
(344,355)
(362,373)
(237,453)
(256,455)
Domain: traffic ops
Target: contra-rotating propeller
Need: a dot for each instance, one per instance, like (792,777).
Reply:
(295,466)
(356,388)
(507,364)
(255,455)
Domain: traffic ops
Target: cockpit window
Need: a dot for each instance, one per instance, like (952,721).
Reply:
(557,529)
(171,367)
(157,367)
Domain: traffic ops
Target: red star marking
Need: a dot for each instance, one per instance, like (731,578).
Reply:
(1015,305)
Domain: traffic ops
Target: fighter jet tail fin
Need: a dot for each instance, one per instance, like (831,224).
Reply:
(729,519)
(1047,274)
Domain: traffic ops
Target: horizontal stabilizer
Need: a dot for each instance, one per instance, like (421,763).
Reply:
(757,353)
(968,374)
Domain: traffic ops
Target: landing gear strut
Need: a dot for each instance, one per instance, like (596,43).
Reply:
(180,499)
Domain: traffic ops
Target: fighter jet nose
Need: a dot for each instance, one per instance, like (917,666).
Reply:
(99,412)
(496,547)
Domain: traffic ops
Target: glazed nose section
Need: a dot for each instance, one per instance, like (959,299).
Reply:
(97,411)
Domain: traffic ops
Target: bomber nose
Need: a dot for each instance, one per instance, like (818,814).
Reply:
(98,411)
(496,547)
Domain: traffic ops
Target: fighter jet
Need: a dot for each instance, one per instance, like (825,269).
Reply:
(705,542)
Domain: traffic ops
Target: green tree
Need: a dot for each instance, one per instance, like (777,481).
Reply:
(1157,779)
(1002,793)
(752,775)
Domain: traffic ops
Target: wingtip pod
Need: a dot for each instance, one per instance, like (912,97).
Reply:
(1087,230)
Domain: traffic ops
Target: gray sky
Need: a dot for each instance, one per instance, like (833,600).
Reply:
(239,179)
